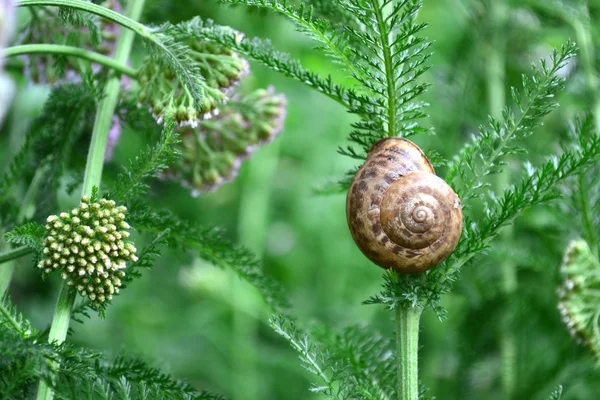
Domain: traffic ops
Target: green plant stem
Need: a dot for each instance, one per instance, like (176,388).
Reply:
(28,200)
(252,228)
(125,20)
(106,108)
(93,168)
(58,331)
(5,270)
(508,342)
(389,67)
(407,351)
(496,61)
(589,230)
(588,57)
(70,51)
(14,254)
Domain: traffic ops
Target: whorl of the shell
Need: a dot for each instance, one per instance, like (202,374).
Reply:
(400,214)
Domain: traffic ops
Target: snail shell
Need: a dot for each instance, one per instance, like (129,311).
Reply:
(400,214)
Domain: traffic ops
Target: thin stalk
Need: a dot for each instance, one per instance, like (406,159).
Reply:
(13,254)
(93,172)
(69,51)
(380,15)
(31,194)
(508,341)
(407,348)
(28,200)
(124,20)
(7,256)
(588,227)
(58,330)
(252,228)
(496,101)
(588,56)
(106,108)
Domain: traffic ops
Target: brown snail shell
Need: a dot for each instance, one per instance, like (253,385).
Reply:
(401,215)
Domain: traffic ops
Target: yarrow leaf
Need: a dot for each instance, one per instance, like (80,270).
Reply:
(211,245)
(155,159)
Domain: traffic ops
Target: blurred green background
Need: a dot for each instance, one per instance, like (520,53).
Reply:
(210,329)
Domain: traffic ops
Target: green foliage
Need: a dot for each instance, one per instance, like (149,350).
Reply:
(18,166)
(12,320)
(261,50)
(211,245)
(357,363)
(30,235)
(314,359)
(83,373)
(378,45)
(386,57)
(484,156)
(131,183)
(147,257)
(67,115)
(81,19)
(369,358)
(332,42)
(538,186)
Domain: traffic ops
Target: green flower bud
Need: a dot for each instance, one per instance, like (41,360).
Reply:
(580,271)
(90,250)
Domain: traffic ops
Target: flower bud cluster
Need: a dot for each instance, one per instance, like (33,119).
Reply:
(88,247)
(213,152)
(221,70)
(578,303)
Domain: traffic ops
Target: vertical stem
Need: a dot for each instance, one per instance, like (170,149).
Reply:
(7,270)
(589,231)
(496,59)
(253,222)
(93,175)
(508,346)
(407,351)
(106,107)
(588,56)
(58,331)
(496,102)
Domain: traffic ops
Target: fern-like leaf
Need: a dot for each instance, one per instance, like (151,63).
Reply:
(263,52)
(11,319)
(314,359)
(484,156)
(333,42)
(151,162)
(211,245)
(30,235)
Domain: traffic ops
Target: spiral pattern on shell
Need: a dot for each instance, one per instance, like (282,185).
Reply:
(400,214)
